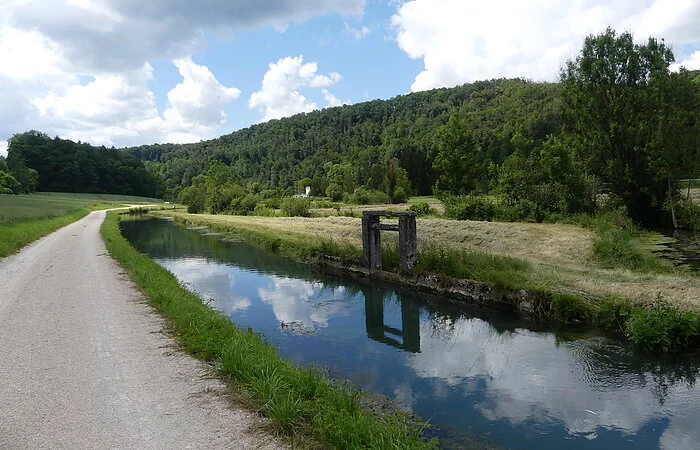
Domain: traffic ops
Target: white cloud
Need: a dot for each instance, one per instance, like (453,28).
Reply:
(355,33)
(331,99)
(280,94)
(692,62)
(48,49)
(3,148)
(198,101)
(462,41)
(212,281)
(301,304)
(527,377)
(120,108)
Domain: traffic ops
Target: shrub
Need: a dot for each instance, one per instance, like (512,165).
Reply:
(661,327)
(470,207)
(363,196)
(262,211)
(400,196)
(243,205)
(322,203)
(295,207)
(274,203)
(422,209)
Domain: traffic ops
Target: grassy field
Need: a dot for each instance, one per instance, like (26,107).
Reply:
(41,205)
(25,218)
(301,402)
(560,256)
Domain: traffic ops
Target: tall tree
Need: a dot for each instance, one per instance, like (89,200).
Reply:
(613,93)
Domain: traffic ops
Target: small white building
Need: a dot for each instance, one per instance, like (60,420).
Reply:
(305,195)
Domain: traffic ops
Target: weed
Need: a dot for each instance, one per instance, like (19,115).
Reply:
(662,328)
(570,308)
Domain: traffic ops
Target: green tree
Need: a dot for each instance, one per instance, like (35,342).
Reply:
(341,180)
(613,92)
(195,195)
(455,161)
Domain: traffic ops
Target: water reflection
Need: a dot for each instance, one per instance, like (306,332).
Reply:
(409,333)
(473,372)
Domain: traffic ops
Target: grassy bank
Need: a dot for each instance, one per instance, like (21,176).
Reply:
(26,218)
(570,270)
(300,402)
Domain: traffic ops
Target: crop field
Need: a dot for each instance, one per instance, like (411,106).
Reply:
(42,205)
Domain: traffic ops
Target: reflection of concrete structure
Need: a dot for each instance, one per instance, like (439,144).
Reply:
(377,330)
(371,239)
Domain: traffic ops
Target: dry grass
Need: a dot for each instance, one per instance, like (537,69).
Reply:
(560,254)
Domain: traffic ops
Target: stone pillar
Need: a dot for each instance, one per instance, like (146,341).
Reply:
(371,241)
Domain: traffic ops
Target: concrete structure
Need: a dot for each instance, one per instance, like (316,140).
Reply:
(371,238)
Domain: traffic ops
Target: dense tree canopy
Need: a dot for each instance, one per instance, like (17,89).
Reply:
(41,163)
(404,130)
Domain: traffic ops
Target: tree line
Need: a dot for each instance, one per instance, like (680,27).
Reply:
(37,162)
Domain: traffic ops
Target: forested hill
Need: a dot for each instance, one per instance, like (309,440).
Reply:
(359,139)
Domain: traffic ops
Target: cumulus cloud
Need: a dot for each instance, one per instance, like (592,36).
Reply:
(692,62)
(58,55)
(280,94)
(120,108)
(462,41)
(3,148)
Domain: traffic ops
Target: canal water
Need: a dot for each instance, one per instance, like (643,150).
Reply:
(483,378)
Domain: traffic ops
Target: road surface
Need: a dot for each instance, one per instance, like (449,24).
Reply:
(84,364)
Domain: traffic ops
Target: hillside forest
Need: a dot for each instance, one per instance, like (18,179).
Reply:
(619,130)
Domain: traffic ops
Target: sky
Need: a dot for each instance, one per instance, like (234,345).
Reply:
(132,72)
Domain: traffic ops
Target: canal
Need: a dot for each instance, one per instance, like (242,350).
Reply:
(483,378)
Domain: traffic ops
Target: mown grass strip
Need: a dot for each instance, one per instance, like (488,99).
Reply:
(301,402)
(15,235)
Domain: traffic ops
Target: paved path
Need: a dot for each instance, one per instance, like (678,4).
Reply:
(83,362)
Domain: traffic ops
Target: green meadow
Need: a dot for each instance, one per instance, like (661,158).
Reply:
(26,218)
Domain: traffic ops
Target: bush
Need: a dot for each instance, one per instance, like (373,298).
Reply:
(322,203)
(422,209)
(295,207)
(262,211)
(470,207)
(274,203)
(400,196)
(243,205)
(661,327)
(363,196)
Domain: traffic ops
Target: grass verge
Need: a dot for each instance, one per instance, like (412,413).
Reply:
(301,402)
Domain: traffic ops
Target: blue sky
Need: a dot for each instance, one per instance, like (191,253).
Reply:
(129,72)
